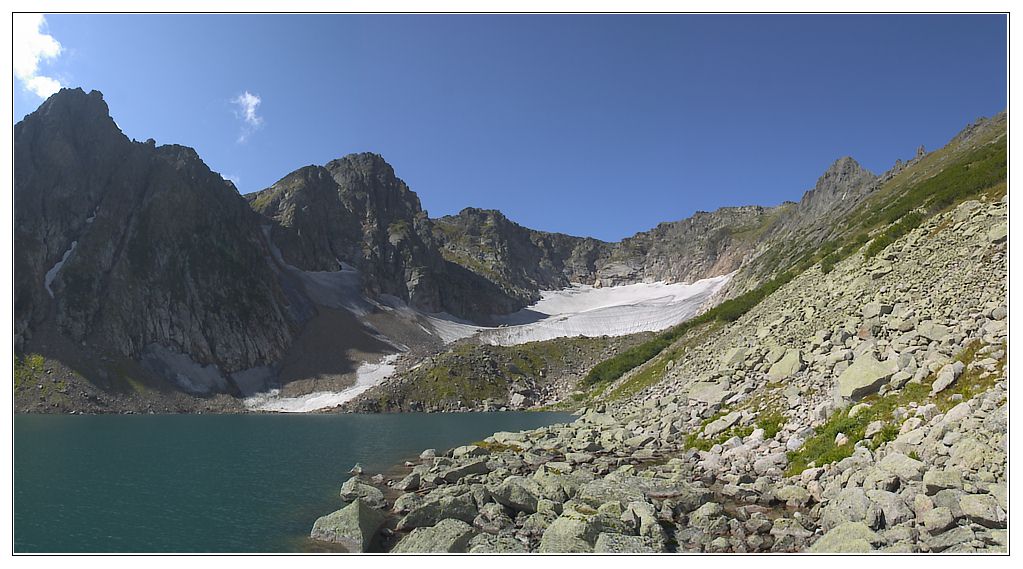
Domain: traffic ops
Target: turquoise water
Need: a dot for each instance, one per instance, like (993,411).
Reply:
(209,483)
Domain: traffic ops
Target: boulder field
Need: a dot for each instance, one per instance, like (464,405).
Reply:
(860,410)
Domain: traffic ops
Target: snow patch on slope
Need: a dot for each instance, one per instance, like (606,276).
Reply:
(333,289)
(583,310)
(366,376)
(52,273)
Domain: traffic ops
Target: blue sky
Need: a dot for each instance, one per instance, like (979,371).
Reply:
(589,125)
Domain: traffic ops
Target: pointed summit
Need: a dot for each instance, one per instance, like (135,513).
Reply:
(844,181)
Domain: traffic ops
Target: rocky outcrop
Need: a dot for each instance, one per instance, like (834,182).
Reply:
(355,211)
(131,248)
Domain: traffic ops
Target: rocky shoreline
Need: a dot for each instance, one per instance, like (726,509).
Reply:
(860,410)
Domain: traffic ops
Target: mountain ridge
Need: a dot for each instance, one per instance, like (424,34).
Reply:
(141,252)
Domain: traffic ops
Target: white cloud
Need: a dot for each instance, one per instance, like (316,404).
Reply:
(248,104)
(31,47)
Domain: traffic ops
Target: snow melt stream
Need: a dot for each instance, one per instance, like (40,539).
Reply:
(366,376)
(52,273)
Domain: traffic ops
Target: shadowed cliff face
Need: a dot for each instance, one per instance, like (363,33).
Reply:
(355,211)
(162,250)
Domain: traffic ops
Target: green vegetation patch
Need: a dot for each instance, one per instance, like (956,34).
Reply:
(821,449)
(654,372)
(27,369)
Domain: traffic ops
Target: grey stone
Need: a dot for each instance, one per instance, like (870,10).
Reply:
(894,510)
(707,517)
(733,358)
(722,424)
(409,483)
(456,473)
(983,509)
(775,460)
(353,526)
(469,451)
(570,533)
(354,489)
(937,520)
(448,536)
(934,331)
(850,505)
(998,233)
(947,376)
(793,495)
(864,377)
(902,466)
(713,393)
(432,511)
(486,543)
(938,480)
(850,537)
(518,493)
(788,365)
(951,538)
(618,543)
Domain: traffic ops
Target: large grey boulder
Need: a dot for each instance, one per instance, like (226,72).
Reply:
(775,460)
(354,489)
(938,480)
(448,536)
(711,392)
(937,520)
(865,376)
(432,511)
(518,493)
(623,490)
(707,517)
(733,358)
(788,365)
(850,537)
(950,538)
(618,543)
(983,509)
(947,376)
(902,466)
(573,532)
(722,424)
(486,543)
(353,526)
(456,473)
(998,233)
(851,505)
(469,451)
(933,331)
(893,508)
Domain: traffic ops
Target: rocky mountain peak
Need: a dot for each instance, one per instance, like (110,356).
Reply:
(844,181)
(76,108)
(845,171)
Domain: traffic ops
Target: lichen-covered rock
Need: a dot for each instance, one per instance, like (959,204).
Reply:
(518,493)
(432,511)
(353,526)
(618,543)
(354,489)
(850,537)
(864,377)
(983,509)
(448,536)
